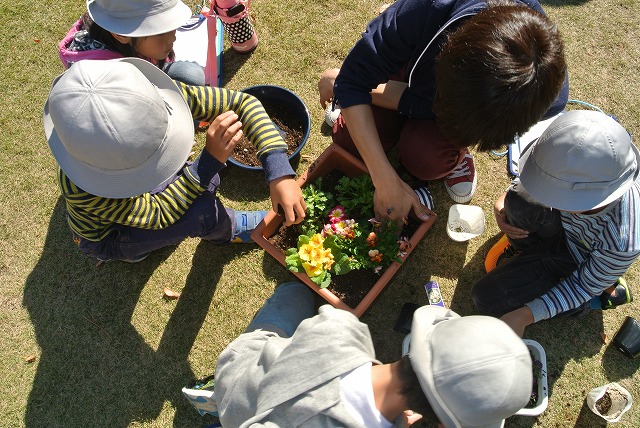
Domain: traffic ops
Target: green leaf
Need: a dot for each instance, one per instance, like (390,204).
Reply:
(341,266)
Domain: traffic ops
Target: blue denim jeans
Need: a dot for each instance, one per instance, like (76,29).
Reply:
(206,218)
(188,72)
(282,313)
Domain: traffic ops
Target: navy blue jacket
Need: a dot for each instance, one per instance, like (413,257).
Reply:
(408,36)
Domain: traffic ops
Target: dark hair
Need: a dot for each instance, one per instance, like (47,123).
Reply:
(96,32)
(497,75)
(412,391)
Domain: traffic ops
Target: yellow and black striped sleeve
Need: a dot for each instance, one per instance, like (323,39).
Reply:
(206,103)
(91,216)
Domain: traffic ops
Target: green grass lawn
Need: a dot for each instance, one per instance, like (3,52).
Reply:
(109,351)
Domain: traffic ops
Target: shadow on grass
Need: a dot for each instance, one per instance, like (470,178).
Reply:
(232,62)
(95,369)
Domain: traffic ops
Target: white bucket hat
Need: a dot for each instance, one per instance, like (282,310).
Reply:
(475,371)
(582,161)
(118,128)
(139,18)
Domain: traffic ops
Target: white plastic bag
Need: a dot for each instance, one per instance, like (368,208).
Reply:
(621,401)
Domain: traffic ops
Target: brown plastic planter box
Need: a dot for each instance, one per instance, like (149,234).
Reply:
(334,158)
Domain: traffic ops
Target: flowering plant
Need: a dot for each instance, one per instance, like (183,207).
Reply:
(335,241)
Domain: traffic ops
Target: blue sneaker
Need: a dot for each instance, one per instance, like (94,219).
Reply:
(246,221)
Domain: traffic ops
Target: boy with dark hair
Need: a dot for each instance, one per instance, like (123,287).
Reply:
(292,369)
(571,223)
(435,78)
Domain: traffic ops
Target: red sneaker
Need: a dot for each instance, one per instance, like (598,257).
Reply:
(461,183)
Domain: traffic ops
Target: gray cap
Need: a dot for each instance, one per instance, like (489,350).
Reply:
(582,161)
(475,371)
(139,18)
(118,128)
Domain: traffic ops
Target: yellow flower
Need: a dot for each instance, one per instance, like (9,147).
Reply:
(316,240)
(312,269)
(315,257)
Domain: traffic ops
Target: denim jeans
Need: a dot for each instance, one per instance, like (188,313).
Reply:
(282,313)
(187,72)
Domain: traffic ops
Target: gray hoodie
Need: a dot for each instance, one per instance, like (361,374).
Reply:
(263,379)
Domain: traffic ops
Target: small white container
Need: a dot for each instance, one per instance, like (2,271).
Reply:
(543,389)
(465,222)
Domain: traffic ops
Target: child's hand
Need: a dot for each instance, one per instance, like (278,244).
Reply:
(222,135)
(287,200)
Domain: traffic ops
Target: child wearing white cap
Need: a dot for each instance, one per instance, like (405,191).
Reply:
(123,28)
(571,223)
(292,369)
(122,130)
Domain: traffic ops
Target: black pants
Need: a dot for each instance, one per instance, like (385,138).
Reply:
(544,258)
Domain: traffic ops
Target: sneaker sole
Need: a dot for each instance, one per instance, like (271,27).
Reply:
(464,198)
(491,261)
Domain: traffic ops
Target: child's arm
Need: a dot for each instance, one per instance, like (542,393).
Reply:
(207,103)
(90,215)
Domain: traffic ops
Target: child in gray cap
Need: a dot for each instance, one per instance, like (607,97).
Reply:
(292,369)
(121,131)
(571,223)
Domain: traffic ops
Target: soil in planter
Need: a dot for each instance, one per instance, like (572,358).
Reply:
(537,368)
(288,122)
(353,286)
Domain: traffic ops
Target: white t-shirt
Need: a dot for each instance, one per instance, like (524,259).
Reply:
(359,401)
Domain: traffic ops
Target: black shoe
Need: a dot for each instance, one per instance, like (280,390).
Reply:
(620,296)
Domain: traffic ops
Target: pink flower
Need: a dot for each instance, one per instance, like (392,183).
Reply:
(337,214)
(327,230)
(344,228)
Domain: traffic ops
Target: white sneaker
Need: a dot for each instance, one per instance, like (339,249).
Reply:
(461,183)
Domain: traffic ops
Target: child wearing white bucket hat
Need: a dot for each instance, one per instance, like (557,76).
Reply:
(291,368)
(124,28)
(121,131)
(571,223)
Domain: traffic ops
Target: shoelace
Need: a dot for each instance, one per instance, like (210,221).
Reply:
(461,170)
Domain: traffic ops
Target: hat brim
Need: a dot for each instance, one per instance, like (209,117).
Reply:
(132,23)
(535,182)
(162,165)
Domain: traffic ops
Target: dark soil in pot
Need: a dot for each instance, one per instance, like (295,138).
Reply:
(289,123)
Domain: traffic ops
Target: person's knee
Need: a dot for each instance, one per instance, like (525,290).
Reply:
(481,296)
(294,292)
(426,152)
(187,72)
